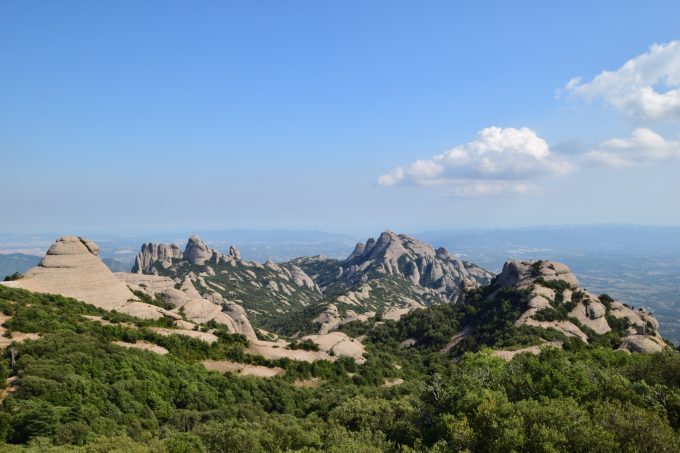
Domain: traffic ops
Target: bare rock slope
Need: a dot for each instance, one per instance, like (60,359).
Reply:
(72,268)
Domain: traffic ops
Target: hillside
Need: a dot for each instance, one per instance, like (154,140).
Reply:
(85,379)
(529,361)
(529,306)
(264,291)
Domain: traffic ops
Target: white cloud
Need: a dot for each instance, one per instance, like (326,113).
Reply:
(500,161)
(644,146)
(646,87)
(469,189)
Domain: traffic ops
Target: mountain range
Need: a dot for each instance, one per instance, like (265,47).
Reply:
(397,347)
(383,278)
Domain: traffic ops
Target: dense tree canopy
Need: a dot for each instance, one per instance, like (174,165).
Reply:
(76,391)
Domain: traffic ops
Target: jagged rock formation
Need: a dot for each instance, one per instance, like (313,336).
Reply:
(156,253)
(72,268)
(391,275)
(404,256)
(153,257)
(243,289)
(555,301)
(196,252)
(437,272)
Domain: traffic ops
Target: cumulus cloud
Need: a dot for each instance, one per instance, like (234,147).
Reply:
(500,161)
(646,87)
(644,146)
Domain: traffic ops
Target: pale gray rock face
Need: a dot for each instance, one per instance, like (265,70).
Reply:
(300,278)
(522,273)
(234,253)
(358,251)
(329,319)
(72,268)
(196,307)
(196,252)
(596,310)
(238,314)
(91,246)
(641,343)
(151,253)
(417,261)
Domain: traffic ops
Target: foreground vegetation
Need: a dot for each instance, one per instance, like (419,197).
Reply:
(75,390)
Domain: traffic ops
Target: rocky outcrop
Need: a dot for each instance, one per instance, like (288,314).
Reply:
(642,343)
(391,276)
(154,258)
(522,273)
(552,289)
(401,255)
(72,268)
(300,278)
(241,289)
(188,301)
(329,319)
(152,253)
(196,252)
(238,314)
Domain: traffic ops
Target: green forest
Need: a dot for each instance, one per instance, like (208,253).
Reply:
(73,390)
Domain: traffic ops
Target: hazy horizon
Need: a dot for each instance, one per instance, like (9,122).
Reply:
(346,232)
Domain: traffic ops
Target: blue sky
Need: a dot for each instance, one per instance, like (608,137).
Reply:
(158,115)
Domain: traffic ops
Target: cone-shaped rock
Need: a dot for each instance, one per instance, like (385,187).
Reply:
(72,268)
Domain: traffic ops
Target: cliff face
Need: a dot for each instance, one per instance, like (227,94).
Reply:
(152,253)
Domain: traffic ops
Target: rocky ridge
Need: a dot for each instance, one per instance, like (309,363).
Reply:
(392,276)
(406,257)
(246,289)
(72,268)
(389,276)
(555,301)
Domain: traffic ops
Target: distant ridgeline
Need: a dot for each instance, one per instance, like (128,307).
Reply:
(390,276)
(399,347)
(534,303)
